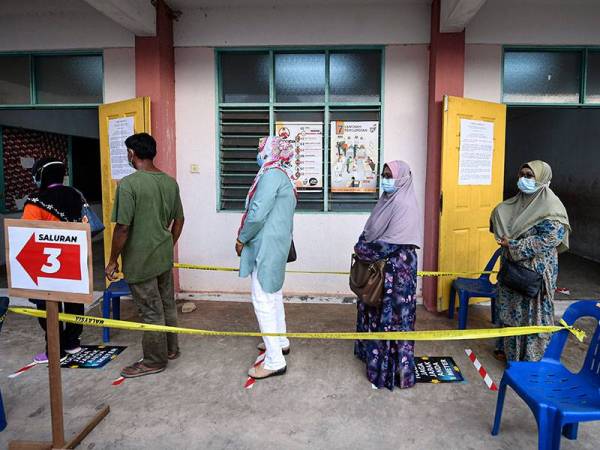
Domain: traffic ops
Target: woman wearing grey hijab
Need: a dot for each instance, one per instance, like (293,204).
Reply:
(393,232)
(533,228)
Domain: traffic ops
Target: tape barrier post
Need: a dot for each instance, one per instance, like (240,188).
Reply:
(431,335)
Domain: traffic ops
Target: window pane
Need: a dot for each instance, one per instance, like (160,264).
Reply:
(68,79)
(14,80)
(355,77)
(300,77)
(542,77)
(592,94)
(241,128)
(245,77)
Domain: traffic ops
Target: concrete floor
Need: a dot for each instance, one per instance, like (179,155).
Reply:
(323,402)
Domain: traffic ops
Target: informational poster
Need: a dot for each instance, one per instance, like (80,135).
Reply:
(476,152)
(436,369)
(49,260)
(119,130)
(92,357)
(354,156)
(307,139)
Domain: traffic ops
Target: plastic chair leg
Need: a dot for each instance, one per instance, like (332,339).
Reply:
(452,303)
(548,433)
(463,309)
(570,431)
(106,315)
(499,407)
(116,307)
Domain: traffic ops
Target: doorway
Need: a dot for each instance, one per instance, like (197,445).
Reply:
(567,139)
(70,135)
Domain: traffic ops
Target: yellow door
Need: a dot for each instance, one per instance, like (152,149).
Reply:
(473,135)
(117,122)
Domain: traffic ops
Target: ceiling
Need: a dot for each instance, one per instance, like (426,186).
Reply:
(196,4)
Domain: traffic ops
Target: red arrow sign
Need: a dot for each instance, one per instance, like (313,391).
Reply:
(49,260)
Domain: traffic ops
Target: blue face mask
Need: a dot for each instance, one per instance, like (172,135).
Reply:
(259,160)
(388,185)
(527,185)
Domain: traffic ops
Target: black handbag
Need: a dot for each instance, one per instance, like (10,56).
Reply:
(292,256)
(520,279)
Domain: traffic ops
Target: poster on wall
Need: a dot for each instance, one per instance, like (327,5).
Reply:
(307,139)
(354,156)
(119,130)
(476,152)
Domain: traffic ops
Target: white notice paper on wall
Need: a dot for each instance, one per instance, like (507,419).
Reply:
(476,152)
(119,130)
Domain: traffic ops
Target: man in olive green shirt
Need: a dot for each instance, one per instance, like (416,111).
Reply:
(149,220)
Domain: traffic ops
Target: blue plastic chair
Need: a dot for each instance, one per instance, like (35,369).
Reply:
(3,308)
(558,398)
(468,288)
(112,295)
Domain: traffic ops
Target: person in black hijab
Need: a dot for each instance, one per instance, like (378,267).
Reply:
(55,202)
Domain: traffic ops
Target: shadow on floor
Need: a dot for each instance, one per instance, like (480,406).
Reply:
(323,402)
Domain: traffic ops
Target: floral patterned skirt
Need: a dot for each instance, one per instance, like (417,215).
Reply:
(391,363)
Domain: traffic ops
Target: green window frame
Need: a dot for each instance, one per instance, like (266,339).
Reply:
(260,119)
(584,53)
(33,96)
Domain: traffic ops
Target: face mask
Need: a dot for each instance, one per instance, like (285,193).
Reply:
(259,160)
(527,185)
(388,185)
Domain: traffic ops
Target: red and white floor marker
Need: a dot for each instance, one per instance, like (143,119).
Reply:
(250,381)
(118,381)
(486,378)
(23,369)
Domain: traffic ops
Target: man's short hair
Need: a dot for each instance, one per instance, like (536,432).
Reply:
(142,144)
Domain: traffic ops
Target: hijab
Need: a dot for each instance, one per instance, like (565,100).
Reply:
(515,216)
(276,154)
(63,202)
(396,218)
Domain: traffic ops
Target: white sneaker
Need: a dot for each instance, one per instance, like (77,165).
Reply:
(73,351)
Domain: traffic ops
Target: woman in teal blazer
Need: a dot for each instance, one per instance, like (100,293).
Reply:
(263,243)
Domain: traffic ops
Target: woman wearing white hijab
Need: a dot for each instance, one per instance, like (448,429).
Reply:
(532,227)
(393,232)
(263,244)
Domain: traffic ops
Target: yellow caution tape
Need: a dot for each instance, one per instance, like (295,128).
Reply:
(435,335)
(318,272)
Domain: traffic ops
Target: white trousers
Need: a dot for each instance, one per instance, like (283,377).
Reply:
(271,319)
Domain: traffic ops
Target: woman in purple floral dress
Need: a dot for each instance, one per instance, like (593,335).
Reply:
(393,232)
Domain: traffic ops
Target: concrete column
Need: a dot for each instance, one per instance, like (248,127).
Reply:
(446,77)
(155,78)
